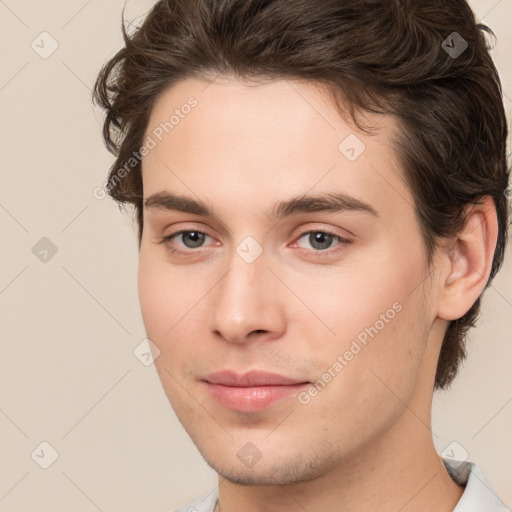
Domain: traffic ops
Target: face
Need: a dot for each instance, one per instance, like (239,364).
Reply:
(281,324)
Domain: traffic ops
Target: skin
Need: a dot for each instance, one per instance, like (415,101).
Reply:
(364,442)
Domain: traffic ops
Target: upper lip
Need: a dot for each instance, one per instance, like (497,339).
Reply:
(250,379)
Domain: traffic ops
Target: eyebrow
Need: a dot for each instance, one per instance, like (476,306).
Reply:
(333,202)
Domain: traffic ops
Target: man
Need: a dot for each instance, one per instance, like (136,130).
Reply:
(320,190)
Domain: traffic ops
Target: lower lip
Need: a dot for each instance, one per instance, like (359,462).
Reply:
(252,399)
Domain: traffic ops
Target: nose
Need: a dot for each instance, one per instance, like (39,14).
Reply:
(248,303)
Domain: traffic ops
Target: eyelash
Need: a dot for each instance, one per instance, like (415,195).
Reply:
(316,253)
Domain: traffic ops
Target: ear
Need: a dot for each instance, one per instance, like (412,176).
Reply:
(468,261)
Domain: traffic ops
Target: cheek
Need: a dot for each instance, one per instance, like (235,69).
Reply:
(162,297)
(164,303)
(377,377)
(172,310)
(367,301)
(380,330)
(153,299)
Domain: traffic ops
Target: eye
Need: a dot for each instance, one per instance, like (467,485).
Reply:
(320,241)
(190,240)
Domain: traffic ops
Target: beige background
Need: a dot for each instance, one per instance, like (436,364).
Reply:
(69,326)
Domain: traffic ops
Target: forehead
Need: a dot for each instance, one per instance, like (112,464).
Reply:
(280,138)
(260,107)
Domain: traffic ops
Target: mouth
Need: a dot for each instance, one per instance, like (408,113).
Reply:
(253,391)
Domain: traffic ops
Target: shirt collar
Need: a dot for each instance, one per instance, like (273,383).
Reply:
(478,494)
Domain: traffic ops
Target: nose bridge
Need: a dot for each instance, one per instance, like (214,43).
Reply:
(246,299)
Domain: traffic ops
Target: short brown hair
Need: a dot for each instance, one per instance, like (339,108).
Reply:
(382,56)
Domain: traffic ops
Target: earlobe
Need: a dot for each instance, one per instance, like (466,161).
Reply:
(469,260)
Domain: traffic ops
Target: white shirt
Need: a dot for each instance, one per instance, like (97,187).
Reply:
(478,495)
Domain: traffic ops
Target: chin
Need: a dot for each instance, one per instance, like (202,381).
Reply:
(289,470)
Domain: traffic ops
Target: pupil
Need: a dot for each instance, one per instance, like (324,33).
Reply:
(323,239)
